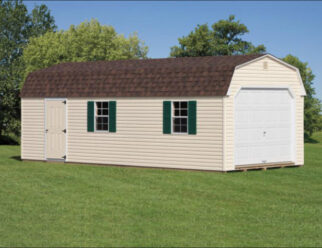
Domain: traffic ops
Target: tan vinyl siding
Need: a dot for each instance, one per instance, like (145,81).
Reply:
(32,129)
(139,139)
(254,74)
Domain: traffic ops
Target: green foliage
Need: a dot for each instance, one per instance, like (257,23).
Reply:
(312,105)
(16,28)
(223,39)
(42,21)
(88,41)
(14,32)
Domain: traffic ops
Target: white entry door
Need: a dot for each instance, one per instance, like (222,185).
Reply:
(263,126)
(55,129)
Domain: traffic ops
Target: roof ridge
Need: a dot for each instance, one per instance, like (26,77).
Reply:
(154,59)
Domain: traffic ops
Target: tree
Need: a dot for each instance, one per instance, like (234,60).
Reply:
(312,105)
(41,20)
(223,39)
(13,20)
(88,41)
(16,28)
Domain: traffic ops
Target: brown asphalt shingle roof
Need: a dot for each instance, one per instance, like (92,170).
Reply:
(170,77)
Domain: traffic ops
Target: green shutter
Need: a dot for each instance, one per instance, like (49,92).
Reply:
(90,116)
(192,123)
(167,117)
(112,116)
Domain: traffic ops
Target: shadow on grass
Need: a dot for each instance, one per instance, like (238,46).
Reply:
(18,158)
(310,140)
(7,140)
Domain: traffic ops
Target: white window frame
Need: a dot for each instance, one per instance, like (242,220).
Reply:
(96,115)
(173,116)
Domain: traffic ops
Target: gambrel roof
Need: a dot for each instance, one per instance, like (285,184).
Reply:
(169,77)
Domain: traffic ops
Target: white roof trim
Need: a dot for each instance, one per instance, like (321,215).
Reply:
(303,93)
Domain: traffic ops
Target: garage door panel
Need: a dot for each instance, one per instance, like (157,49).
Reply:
(263,126)
(249,136)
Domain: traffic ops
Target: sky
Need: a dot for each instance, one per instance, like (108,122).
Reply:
(283,27)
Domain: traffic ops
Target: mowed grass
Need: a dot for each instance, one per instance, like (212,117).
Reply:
(52,204)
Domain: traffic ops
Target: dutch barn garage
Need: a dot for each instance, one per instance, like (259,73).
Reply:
(218,113)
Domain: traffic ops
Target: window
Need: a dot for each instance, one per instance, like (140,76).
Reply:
(102,116)
(180,117)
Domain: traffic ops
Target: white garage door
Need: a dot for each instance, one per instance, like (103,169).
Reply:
(263,126)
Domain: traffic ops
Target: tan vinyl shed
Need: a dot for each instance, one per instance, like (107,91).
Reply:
(219,113)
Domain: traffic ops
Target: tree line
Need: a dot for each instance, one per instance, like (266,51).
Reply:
(31,41)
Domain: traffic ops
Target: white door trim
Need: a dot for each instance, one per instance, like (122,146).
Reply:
(45,124)
(262,87)
(293,115)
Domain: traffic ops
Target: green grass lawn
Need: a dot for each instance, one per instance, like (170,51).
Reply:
(49,204)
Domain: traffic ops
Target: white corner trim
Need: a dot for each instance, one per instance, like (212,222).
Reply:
(229,88)
(223,134)
(303,92)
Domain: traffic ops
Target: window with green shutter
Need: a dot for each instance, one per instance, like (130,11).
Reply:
(101,116)
(180,117)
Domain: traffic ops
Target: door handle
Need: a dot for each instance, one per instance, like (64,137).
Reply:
(64,130)
(46,130)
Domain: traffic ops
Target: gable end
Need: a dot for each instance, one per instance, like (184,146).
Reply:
(302,93)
